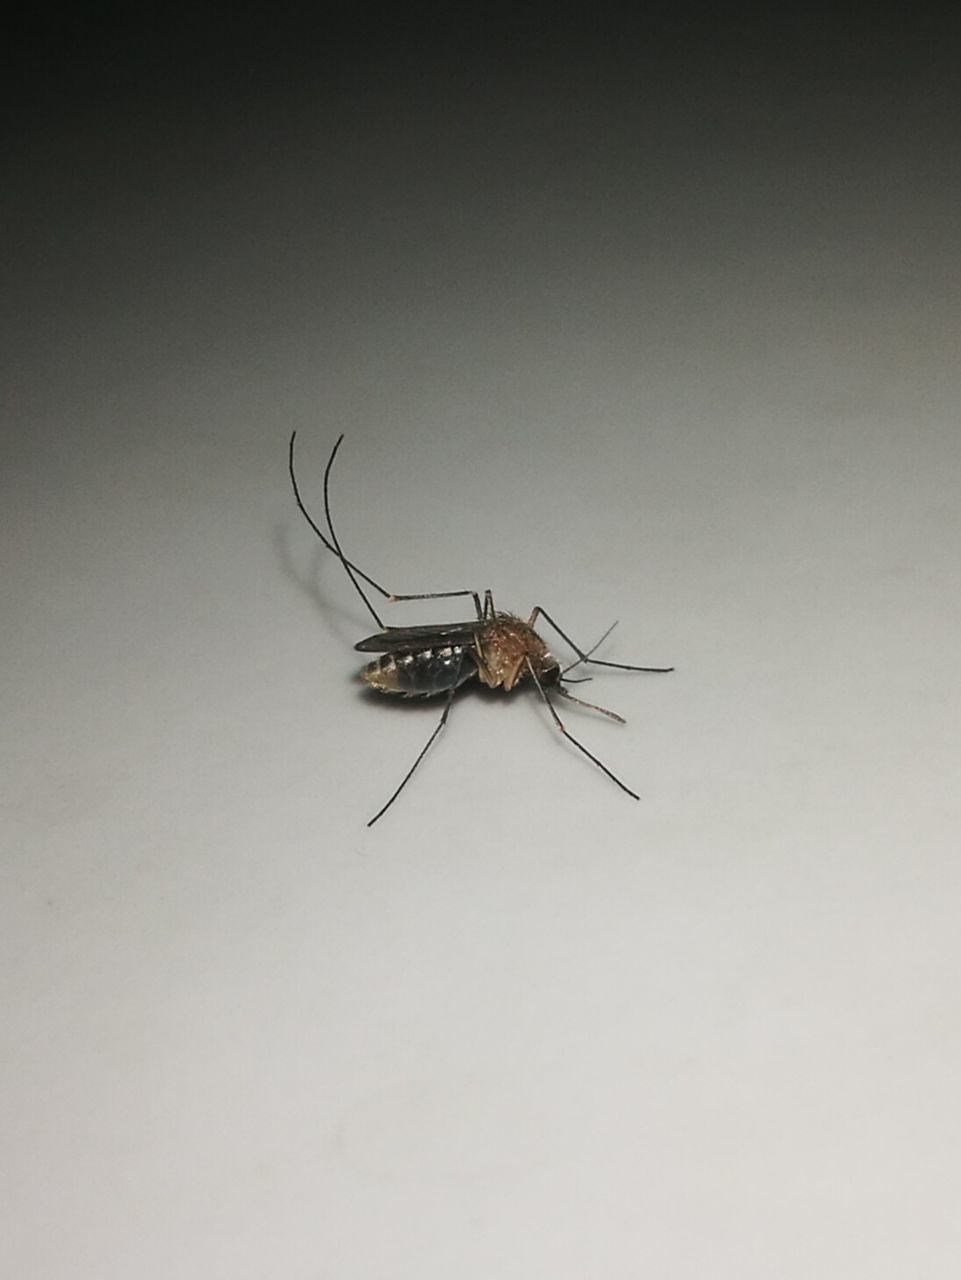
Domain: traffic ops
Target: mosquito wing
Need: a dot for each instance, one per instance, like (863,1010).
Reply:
(399,639)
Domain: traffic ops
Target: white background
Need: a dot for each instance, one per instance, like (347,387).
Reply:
(659,325)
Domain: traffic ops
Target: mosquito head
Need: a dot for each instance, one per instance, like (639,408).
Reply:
(551,675)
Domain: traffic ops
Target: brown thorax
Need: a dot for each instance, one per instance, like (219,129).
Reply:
(505,645)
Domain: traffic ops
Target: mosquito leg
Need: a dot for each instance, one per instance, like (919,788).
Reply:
(313,524)
(426,747)
(585,657)
(336,541)
(442,595)
(570,737)
(333,545)
(483,612)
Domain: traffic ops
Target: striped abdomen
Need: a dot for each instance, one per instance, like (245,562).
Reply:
(422,673)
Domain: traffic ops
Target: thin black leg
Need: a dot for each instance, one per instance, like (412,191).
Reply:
(426,747)
(444,595)
(332,544)
(570,737)
(539,612)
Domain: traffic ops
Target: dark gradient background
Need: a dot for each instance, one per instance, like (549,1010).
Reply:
(656,320)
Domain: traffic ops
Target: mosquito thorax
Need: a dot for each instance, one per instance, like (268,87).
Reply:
(508,647)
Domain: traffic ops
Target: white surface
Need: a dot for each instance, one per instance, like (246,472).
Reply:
(681,351)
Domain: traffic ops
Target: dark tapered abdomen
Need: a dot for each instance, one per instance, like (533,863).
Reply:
(421,674)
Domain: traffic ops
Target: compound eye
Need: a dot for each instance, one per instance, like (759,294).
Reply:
(550,675)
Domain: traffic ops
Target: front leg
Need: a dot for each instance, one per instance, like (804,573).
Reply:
(540,612)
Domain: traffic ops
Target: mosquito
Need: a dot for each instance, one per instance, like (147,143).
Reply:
(497,649)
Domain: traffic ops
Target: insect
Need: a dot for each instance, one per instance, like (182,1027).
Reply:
(497,649)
